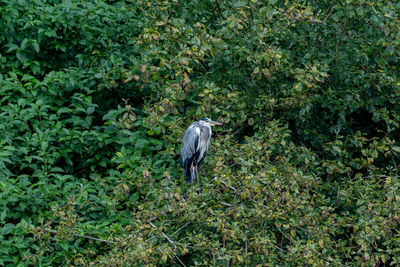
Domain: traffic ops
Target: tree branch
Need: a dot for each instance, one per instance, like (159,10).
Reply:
(84,236)
(180,229)
(97,239)
(330,12)
(235,190)
(164,235)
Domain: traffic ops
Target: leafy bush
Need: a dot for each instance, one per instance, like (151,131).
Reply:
(95,97)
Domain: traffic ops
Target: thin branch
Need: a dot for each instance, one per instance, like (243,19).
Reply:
(381,176)
(170,241)
(279,248)
(84,236)
(238,130)
(97,239)
(226,204)
(330,12)
(153,237)
(164,235)
(234,189)
(231,187)
(180,229)
(251,13)
(219,9)
(180,261)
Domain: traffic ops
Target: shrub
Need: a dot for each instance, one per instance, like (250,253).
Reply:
(95,97)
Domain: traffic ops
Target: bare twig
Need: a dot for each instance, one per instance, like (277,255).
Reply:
(153,237)
(381,176)
(330,12)
(238,130)
(97,239)
(219,9)
(170,241)
(226,204)
(180,229)
(164,235)
(231,187)
(278,248)
(251,13)
(84,236)
(234,189)
(180,261)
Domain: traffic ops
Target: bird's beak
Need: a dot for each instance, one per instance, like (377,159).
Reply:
(216,123)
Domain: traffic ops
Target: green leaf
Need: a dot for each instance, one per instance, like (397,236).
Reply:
(36,47)
(396,148)
(7,228)
(63,110)
(11,47)
(3,215)
(44,145)
(90,110)
(20,57)
(24,44)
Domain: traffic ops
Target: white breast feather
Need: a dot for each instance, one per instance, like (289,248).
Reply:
(198,133)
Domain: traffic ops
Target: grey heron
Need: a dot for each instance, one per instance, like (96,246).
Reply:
(195,143)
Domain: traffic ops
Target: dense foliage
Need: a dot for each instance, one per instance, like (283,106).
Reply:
(95,96)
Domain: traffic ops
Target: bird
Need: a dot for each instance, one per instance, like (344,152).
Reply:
(195,144)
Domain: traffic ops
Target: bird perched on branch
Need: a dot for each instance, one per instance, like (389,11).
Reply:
(195,143)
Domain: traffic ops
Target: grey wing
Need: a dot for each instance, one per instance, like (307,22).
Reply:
(190,143)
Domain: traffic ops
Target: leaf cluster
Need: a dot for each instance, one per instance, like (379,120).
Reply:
(95,97)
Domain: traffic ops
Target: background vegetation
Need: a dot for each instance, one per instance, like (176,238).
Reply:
(95,96)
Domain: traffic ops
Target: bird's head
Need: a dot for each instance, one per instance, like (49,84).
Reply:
(209,122)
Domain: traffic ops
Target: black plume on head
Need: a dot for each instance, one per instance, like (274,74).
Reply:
(205,119)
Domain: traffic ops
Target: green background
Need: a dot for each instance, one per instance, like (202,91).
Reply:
(95,97)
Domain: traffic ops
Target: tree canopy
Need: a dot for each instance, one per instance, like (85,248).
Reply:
(96,95)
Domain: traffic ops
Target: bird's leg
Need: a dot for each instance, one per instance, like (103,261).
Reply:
(191,172)
(197,175)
